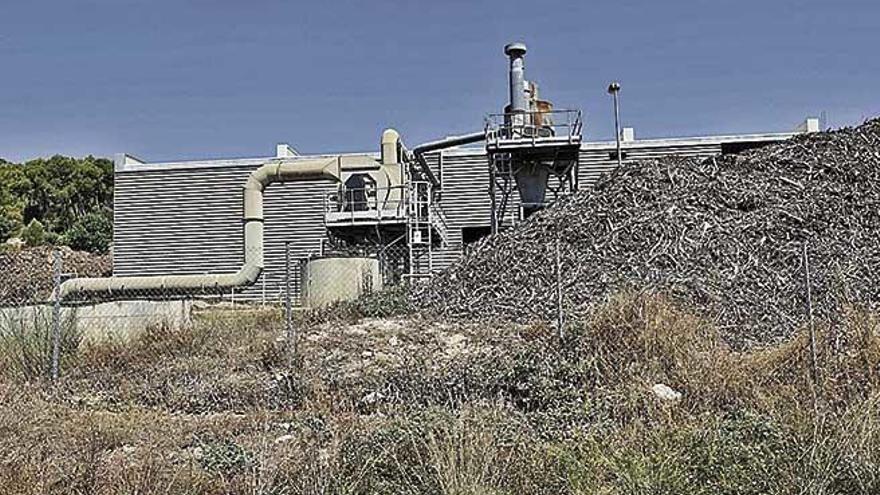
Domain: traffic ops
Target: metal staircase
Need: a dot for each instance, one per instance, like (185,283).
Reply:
(425,227)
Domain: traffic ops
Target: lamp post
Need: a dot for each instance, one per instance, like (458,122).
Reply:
(613,90)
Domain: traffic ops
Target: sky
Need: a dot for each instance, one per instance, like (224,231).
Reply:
(193,79)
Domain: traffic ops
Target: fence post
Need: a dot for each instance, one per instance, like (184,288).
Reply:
(288,310)
(56,313)
(814,365)
(559,312)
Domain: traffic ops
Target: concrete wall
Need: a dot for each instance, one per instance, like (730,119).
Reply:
(113,321)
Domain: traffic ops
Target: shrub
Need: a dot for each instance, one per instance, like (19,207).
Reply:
(26,341)
(391,301)
(223,457)
(10,222)
(92,232)
(34,234)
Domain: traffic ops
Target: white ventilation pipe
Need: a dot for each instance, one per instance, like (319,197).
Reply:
(270,173)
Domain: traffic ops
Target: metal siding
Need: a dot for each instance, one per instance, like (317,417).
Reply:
(465,198)
(595,162)
(294,212)
(178,222)
(187,220)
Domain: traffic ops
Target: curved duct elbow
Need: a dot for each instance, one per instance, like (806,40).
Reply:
(252,216)
(390,147)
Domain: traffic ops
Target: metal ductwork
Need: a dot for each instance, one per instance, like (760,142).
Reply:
(518,101)
(531,177)
(450,142)
(282,170)
(531,181)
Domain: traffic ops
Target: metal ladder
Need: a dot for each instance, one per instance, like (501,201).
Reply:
(420,222)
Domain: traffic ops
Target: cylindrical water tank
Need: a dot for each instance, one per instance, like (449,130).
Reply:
(337,278)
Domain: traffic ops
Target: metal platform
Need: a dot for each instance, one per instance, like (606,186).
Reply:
(406,213)
(534,132)
(524,150)
(366,217)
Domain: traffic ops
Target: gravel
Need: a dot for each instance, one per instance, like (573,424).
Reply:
(726,236)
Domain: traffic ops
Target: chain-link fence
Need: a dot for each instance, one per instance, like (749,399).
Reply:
(35,331)
(47,316)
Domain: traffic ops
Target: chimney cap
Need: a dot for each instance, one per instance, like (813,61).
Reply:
(515,49)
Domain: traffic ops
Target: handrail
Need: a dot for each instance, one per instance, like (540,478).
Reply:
(531,125)
(364,199)
(408,203)
(443,227)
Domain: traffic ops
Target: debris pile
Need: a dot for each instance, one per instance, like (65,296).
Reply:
(727,236)
(27,274)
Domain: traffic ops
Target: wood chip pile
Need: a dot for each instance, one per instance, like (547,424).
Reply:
(27,275)
(725,236)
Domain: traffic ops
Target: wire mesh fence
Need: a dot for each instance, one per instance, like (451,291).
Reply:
(49,315)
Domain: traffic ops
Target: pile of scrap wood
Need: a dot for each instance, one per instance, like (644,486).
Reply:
(27,274)
(726,236)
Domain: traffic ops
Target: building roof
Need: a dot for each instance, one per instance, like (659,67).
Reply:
(129,163)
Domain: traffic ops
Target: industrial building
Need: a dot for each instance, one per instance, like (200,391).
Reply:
(395,215)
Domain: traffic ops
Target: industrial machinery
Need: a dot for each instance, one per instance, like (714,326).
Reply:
(393,203)
(530,147)
(387,209)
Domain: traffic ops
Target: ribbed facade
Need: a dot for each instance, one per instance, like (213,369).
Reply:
(188,221)
(185,218)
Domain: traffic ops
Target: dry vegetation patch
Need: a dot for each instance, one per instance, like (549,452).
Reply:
(410,405)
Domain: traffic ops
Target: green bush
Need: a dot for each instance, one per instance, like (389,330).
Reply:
(393,301)
(92,232)
(10,222)
(62,194)
(34,234)
(224,457)
(386,303)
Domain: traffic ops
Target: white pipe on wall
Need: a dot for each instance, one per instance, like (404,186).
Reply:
(280,170)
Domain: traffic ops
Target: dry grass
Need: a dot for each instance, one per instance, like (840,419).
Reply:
(411,406)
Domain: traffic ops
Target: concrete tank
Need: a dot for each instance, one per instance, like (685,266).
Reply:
(334,279)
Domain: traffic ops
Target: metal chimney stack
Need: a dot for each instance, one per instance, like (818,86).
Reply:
(526,143)
(518,101)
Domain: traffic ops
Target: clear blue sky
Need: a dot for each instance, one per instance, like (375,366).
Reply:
(179,79)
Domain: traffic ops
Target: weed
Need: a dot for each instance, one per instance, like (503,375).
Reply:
(26,341)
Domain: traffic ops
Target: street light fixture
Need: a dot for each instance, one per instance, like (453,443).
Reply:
(613,90)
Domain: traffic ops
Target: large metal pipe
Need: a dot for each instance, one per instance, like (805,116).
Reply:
(450,142)
(518,101)
(270,173)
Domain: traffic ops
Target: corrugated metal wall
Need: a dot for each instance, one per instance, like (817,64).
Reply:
(186,219)
(597,161)
(464,198)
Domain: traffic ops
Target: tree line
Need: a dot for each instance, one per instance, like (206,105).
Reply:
(58,200)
